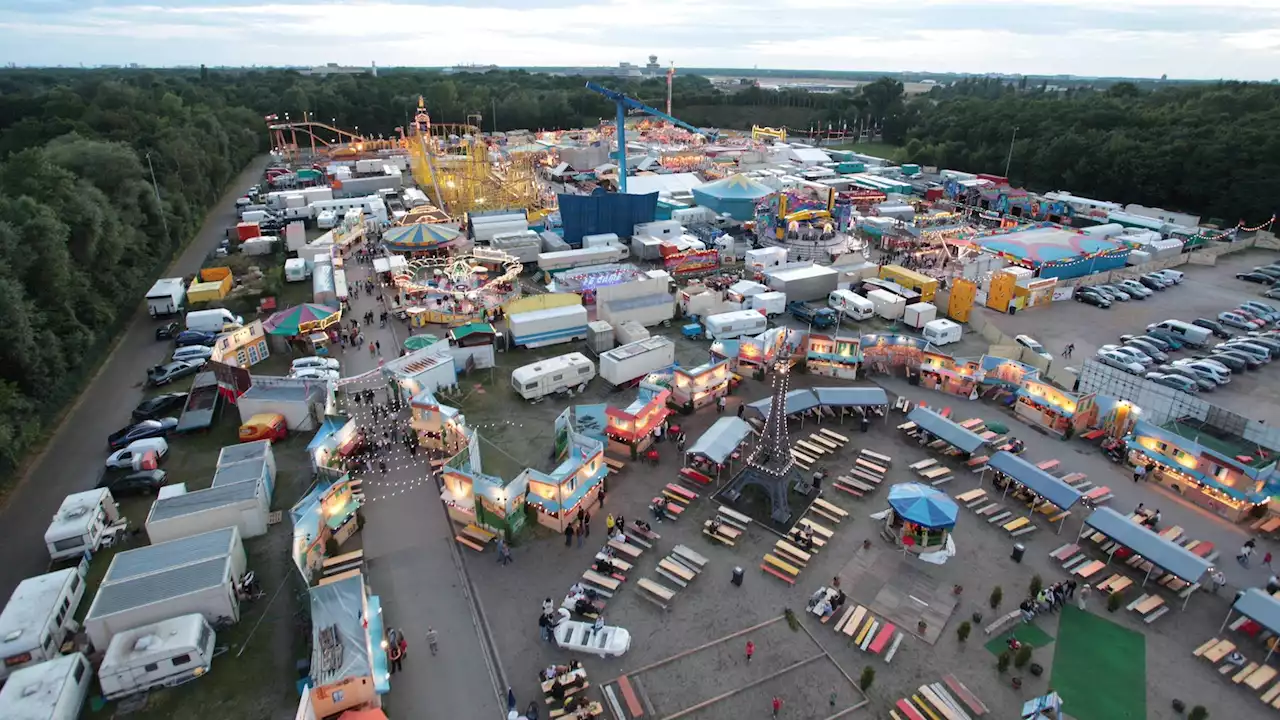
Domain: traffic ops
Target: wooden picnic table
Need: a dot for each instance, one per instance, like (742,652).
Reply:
(971,423)
(1047,465)
(802,457)
(936,473)
(815,527)
(1202,548)
(876,457)
(907,426)
(1270,526)
(810,448)
(833,509)
(795,552)
(688,556)
(923,464)
(971,495)
(1171,533)
(824,443)
(1219,651)
(1115,584)
(624,548)
(1016,524)
(677,569)
(599,580)
(1090,569)
(834,435)
(1149,604)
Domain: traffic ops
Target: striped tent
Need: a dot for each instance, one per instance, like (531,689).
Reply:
(420,236)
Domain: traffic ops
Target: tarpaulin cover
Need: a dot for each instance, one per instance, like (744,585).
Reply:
(601,213)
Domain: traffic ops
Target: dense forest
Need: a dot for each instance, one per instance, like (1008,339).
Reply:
(83,231)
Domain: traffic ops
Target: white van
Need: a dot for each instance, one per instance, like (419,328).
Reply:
(1192,334)
(214,321)
(52,690)
(163,654)
(851,305)
(941,331)
(557,374)
(39,617)
(727,326)
(295,270)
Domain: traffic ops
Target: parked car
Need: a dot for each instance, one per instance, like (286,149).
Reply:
(1161,281)
(159,405)
(1233,364)
(1205,383)
(195,337)
(143,482)
(264,426)
(1213,326)
(1263,310)
(315,374)
(168,331)
(1273,272)
(1148,349)
(1120,361)
(1259,351)
(1253,315)
(125,458)
(1033,345)
(1173,276)
(1236,320)
(1271,343)
(1256,277)
(1134,354)
(1220,372)
(167,373)
(1135,288)
(193,353)
(1173,341)
(315,362)
(1089,296)
(146,429)
(1113,292)
(1272,293)
(1248,362)
(1176,382)
(1151,283)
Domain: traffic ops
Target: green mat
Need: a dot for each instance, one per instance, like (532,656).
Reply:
(1099,668)
(1027,633)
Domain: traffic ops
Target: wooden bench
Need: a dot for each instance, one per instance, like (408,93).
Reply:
(468,542)
(792,553)
(936,473)
(1065,552)
(659,595)
(614,465)
(851,625)
(864,475)
(804,461)
(1048,465)
(607,584)
(987,510)
(625,548)
(882,638)
(876,457)
(971,496)
(850,486)
(732,517)
(971,423)
(870,466)
(816,528)
(1000,517)
(1244,673)
(823,443)
(1072,563)
(968,698)
(834,436)
(694,477)
(780,568)
(1205,647)
(1155,615)
(811,449)
(1272,695)
(1058,517)
(822,513)
(908,711)
(830,508)
(923,464)
(977,460)
(685,495)
(675,572)
(1260,677)
(1074,478)
(691,559)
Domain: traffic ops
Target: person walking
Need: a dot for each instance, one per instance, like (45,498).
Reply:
(568,535)
(751,650)
(432,639)
(777,705)
(504,552)
(1139,472)
(397,658)
(741,409)
(1266,560)
(577,530)
(1246,552)
(1083,599)
(1070,348)
(586,523)
(720,405)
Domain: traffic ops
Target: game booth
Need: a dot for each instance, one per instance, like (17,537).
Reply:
(439,427)
(951,375)
(310,326)
(1056,411)
(328,511)
(336,439)
(752,355)
(693,388)
(475,497)
(920,517)
(837,357)
(574,484)
(629,430)
(899,355)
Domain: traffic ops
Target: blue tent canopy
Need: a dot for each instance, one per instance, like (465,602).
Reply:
(923,505)
(944,429)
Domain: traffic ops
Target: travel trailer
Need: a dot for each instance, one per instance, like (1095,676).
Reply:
(726,326)
(163,654)
(51,690)
(553,375)
(80,524)
(39,617)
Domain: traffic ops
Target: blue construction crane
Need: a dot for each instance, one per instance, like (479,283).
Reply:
(624,104)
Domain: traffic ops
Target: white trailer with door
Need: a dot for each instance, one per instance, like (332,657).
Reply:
(538,328)
(164,654)
(633,361)
(52,690)
(168,296)
(888,305)
(727,326)
(917,315)
(39,617)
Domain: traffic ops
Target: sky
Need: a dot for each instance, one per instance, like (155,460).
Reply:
(1237,39)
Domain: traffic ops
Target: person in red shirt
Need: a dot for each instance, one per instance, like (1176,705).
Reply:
(777,705)
(751,650)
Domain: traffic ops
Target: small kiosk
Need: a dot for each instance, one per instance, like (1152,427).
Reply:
(838,357)
(630,430)
(700,386)
(921,517)
(955,376)
(1057,411)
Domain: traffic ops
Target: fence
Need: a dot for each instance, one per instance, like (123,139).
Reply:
(1159,403)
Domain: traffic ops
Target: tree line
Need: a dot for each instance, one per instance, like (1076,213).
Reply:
(83,232)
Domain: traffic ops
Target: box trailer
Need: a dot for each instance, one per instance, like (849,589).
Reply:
(917,315)
(629,332)
(888,305)
(758,261)
(553,375)
(770,303)
(39,617)
(727,326)
(648,310)
(524,245)
(566,260)
(743,289)
(633,361)
(600,240)
(803,283)
(168,296)
(538,328)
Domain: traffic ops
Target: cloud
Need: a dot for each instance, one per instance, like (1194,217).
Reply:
(1181,38)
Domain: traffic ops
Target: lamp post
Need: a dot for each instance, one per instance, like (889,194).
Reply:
(1009,160)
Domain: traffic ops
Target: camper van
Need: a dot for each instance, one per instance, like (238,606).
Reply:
(52,690)
(163,654)
(727,326)
(295,270)
(39,617)
(553,375)
(851,305)
(941,332)
(214,321)
(1192,334)
(80,524)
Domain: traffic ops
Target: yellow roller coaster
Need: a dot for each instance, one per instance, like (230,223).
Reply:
(460,171)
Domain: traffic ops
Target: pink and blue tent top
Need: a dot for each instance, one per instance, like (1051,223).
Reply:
(923,505)
(1057,252)
(420,236)
(736,195)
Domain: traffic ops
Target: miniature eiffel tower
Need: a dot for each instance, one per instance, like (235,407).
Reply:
(770,465)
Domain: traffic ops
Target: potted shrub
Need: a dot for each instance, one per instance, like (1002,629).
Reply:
(1023,657)
(1037,584)
(1198,713)
(868,676)
(963,631)
(996,596)
(1003,660)
(1113,602)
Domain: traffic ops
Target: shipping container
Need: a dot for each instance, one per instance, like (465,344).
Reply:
(803,283)
(770,303)
(568,259)
(888,305)
(599,336)
(525,245)
(633,361)
(917,315)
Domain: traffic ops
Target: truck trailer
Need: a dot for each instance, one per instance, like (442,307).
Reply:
(538,328)
(524,245)
(633,361)
(167,297)
(566,260)
(803,283)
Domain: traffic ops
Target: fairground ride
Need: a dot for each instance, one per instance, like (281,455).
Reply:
(324,139)
(625,104)
(453,163)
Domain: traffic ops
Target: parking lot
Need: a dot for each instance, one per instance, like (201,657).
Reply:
(1205,292)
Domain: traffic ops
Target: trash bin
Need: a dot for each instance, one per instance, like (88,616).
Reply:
(737,576)
(1018,550)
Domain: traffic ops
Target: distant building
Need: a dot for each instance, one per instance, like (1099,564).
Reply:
(652,68)
(471,68)
(336,69)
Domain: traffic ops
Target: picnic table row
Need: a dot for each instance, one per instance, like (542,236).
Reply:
(869,470)
(994,513)
(1250,674)
(947,700)
(565,694)
(680,567)
(818,446)
(789,555)
(857,623)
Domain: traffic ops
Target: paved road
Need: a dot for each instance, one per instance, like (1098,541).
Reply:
(72,458)
(413,567)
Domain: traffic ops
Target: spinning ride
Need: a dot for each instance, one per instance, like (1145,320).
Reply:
(460,289)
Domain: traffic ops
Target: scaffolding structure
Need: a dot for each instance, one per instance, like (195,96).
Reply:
(461,173)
